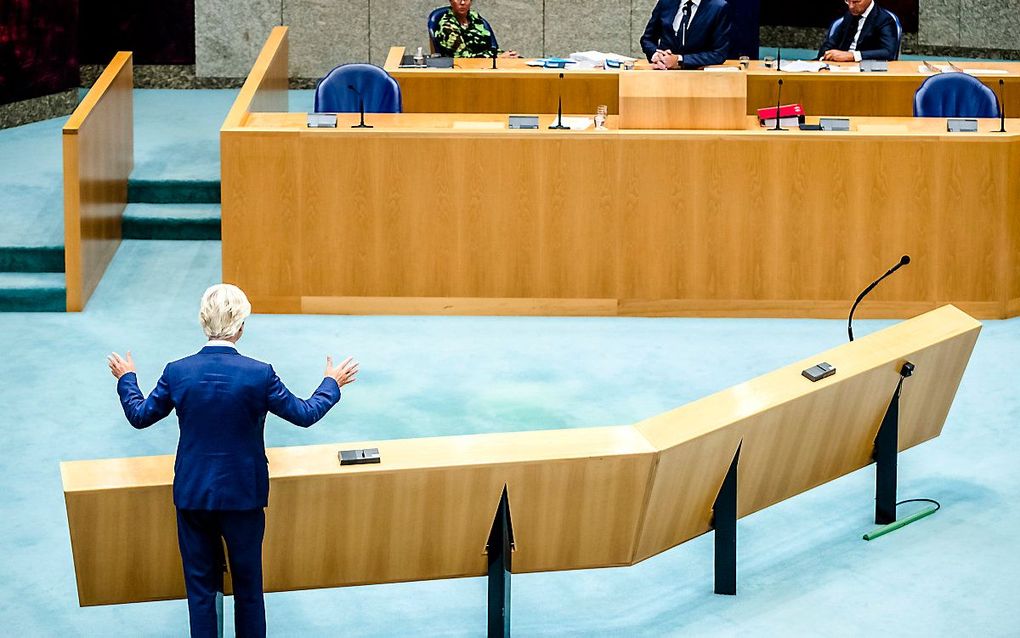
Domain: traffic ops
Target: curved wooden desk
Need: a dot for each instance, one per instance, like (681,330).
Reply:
(582,498)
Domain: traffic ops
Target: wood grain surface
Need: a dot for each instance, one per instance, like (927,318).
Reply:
(582,498)
(98,155)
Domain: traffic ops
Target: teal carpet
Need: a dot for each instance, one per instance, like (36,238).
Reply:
(803,568)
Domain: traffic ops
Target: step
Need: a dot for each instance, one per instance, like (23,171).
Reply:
(37,259)
(171,221)
(173,191)
(32,292)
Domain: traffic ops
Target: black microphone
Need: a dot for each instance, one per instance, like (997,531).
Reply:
(904,260)
(361,104)
(495,51)
(559,112)
(1002,106)
(779,106)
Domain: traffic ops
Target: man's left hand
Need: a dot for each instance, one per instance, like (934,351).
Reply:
(833,55)
(668,61)
(120,366)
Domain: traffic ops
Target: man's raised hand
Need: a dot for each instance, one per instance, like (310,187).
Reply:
(345,373)
(120,366)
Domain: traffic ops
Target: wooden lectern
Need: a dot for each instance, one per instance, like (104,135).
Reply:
(561,499)
(683,100)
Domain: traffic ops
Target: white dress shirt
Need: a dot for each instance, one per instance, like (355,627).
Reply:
(680,17)
(219,343)
(860,27)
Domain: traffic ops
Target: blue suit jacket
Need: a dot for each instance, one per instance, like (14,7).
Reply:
(222,398)
(879,38)
(708,36)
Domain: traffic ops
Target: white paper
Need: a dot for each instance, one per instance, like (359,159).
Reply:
(945,68)
(722,69)
(577,123)
(844,69)
(802,66)
(598,57)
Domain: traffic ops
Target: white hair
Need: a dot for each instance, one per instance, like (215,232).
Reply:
(223,311)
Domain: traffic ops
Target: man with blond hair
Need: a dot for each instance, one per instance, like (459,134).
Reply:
(221,474)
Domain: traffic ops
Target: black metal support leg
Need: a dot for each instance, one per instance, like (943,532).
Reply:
(724,521)
(886,450)
(499,548)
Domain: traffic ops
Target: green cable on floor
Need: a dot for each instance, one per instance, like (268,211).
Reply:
(895,525)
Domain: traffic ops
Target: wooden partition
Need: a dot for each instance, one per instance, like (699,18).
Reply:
(683,100)
(265,89)
(98,144)
(582,498)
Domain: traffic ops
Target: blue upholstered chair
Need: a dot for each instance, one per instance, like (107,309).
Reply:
(955,95)
(899,31)
(381,92)
(433,25)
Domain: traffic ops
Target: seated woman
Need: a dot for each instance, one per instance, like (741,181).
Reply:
(463,33)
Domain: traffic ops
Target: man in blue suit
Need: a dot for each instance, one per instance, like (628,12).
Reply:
(868,32)
(221,474)
(687,34)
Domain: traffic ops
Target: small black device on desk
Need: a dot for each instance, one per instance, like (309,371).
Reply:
(359,457)
(431,62)
(819,372)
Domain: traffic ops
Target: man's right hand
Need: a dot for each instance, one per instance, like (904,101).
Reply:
(120,366)
(659,55)
(343,374)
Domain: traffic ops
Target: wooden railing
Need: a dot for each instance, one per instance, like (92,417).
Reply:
(265,90)
(98,157)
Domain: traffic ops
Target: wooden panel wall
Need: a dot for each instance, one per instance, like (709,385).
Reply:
(582,498)
(98,157)
(540,222)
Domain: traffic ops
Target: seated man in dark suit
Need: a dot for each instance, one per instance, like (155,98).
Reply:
(687,34)
(868,32)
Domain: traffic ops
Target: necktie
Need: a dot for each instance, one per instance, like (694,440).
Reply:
(684,21)
(851,32)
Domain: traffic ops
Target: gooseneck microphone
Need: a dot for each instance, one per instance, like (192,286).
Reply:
(495,53)
(361,105)
(779,106)
(1002,105)
(559,111)
(904,260)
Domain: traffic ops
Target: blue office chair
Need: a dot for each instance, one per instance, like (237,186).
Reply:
(899,31)
(955,95)
(381,92)
(433,26)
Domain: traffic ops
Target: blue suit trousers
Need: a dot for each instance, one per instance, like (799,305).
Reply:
(199,533)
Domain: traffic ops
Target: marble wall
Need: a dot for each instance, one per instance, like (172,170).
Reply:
(325,33)
(971,24)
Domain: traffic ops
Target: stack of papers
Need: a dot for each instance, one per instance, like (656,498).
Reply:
(597,57)
(803,66)
(948,68)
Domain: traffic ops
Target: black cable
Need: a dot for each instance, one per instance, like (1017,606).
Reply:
(937,505)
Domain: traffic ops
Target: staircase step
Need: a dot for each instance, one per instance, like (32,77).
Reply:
(32,259)
(171,221)
(32,292)
(173,191)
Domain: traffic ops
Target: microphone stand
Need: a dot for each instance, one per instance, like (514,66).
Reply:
(361,104)
(1002,106)
(779,103)
(904,260)
(495,51)
(559,112)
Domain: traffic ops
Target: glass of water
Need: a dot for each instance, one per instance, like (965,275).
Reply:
(601,114)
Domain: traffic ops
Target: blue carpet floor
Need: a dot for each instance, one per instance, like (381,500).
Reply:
(803,568)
